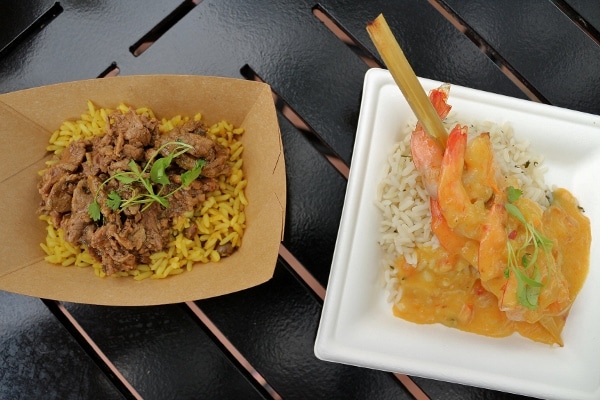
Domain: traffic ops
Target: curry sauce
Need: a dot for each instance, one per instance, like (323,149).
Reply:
(445,288)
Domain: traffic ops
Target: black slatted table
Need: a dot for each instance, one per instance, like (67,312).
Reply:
(258,343)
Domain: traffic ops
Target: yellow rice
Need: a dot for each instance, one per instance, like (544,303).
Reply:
(220,219)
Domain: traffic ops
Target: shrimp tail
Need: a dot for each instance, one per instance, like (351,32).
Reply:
(439,100)
(549,323)
(450,190)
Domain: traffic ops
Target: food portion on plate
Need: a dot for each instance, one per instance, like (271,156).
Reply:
(473,237)
(132,195)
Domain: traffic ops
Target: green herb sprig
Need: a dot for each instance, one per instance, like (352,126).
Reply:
(157,175)
(528,285)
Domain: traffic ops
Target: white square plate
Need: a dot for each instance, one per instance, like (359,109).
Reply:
(357,325)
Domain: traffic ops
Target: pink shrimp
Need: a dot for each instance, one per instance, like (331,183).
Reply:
(497,278)
(427,152)
(463,216)
(493,252)
(450,240)
(481,178)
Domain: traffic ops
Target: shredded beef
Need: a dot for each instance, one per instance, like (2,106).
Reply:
(121,240)
(214,154)
(75,223)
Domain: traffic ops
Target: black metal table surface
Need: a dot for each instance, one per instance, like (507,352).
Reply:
(258,343)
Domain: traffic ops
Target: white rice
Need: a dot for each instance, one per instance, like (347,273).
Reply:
(404,202)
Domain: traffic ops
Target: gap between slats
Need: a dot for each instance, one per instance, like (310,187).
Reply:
(36,26)
(230,349)
(123,385)
(511,73)
(92,349)
(162,27)
(112,70)
(578,20)
(299,123)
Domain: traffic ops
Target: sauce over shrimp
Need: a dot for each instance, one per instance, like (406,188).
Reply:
(505,264)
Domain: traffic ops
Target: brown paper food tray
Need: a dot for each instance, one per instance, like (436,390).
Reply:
(29,117)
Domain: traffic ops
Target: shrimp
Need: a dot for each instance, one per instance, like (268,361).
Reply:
(493,270)
(450,240)
(463,216)
(427,152)
(553,298)
(493,252)
(481,178)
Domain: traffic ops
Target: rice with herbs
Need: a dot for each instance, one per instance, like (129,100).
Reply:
(220,219)
(404,202)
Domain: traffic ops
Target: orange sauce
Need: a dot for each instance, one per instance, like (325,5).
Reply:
(443,288)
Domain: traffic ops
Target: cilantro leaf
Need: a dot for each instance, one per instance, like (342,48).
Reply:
(134,167)
(513,194)
(189,176)
(114,200)
(528,290)
(158,172)
(94,211)
(125,178)
(162,201)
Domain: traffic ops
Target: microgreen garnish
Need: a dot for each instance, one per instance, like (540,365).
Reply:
(513,194)
(189,176)
(158,175)
(94,211)
(528,285)
(114,200)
